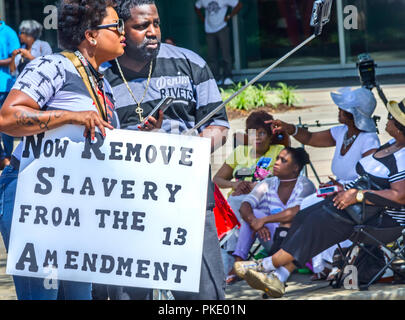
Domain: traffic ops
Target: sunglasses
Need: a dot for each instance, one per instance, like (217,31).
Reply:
(119,26)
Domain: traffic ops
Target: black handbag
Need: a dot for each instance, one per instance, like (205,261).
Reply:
(360,212)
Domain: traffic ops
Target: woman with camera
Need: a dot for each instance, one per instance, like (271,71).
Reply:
(52,93)
(354,139)
(323,224)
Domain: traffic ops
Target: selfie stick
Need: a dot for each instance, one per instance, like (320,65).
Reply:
(320,17)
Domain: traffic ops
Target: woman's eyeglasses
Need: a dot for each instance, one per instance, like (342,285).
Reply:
(119,26)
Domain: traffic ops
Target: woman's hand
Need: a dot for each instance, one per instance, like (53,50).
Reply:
(152,124)
(264,234)
(332,182)
(91,120)
(243,187)
(26,54)
(278,126)
(345,198)
(257,224)
(15,53)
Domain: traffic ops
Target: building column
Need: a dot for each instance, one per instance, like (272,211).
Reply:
(236,43)
(341,30)
(2,11)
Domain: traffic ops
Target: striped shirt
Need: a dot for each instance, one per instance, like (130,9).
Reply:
(55,84)
(383,172)
(265,197)
(176,72)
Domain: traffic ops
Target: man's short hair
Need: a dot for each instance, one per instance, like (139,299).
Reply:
(124,7)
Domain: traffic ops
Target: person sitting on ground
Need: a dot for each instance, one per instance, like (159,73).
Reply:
(262,150)
(29,33)
(323,224)
(356,138)
(269,209)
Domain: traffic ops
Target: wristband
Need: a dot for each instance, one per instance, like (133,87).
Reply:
(296,131)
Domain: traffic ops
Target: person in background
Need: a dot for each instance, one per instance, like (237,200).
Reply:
(258,158)
(218,35)
(323,224)
(170,41)
(8,44)
(52,94)
(356,138)
(29,33)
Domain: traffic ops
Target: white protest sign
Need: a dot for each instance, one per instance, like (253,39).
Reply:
(125,210)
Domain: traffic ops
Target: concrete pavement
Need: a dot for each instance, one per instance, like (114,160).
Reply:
(299,286)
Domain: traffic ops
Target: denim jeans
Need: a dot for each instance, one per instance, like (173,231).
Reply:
(8,142)
(28,288)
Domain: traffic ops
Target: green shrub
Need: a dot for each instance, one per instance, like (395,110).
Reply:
(286,94)
(252,97)
(257,96)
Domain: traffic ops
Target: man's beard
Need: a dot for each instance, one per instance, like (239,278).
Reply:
(141,52)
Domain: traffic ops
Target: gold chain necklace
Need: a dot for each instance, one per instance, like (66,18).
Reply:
(138,110)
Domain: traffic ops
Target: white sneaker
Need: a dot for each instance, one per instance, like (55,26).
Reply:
(228,82)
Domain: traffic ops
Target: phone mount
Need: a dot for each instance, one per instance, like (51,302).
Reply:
(320,15)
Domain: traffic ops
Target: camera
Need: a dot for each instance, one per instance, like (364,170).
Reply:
(366,67)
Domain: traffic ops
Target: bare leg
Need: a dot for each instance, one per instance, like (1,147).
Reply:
(283,259)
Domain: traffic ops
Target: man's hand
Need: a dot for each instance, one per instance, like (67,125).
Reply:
(152,124)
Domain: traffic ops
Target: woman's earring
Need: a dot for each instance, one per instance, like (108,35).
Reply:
(93,42)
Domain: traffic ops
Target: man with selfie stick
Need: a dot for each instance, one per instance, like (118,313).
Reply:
(149,72)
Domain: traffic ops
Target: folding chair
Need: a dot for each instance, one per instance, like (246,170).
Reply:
(369,235)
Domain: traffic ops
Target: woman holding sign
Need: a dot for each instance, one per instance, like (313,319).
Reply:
(61,89)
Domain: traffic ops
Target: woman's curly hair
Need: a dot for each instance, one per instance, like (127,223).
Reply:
(77,16)
(256,121)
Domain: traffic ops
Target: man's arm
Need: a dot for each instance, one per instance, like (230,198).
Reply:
(234,11)
(217,134)
(199,14)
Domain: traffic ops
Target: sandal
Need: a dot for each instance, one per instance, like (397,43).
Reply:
(231,279)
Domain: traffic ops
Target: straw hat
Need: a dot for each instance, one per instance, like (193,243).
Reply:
(397,110)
